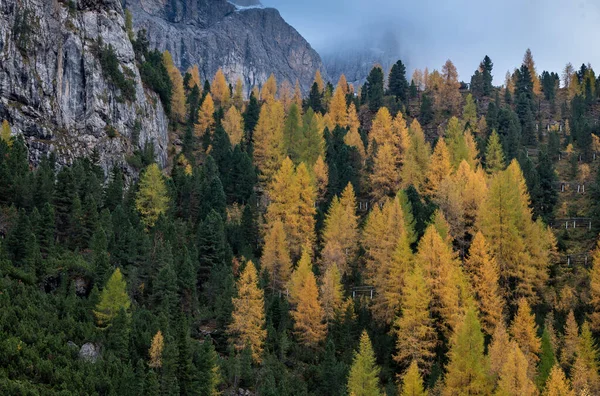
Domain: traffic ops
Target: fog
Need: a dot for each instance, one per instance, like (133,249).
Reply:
(427,32)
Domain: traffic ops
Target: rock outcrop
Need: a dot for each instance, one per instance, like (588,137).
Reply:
(54,91)
(246,40)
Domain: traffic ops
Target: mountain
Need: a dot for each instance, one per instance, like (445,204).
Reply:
(243,38)
(55,91)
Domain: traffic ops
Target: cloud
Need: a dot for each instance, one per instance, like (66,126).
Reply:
(428,32)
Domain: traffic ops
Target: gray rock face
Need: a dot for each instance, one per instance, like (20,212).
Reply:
(89,352)
(54,92)
(247,43)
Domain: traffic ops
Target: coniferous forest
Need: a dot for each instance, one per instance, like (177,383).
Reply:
(417,235)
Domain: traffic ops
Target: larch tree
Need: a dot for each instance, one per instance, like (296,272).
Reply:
(524,332)
(513,376)
(530,63)
(113,299)
(194,80)
(220,89)
(440,167)
(340,234)
(298,95)
(156,350)
(381,130)
(570,341)
(412,382)
(467,371)
(558,384)
(585,370)
(268,91)
(337,107)
(483,272)
(498,350)
(363,379)
(206,119)
(455,139)
(444,278)
(178,93)
(152,199)
(308,314)
(247,327)
(269,148)
(469,114)
(332,294)
(237,99)
(303,270)
(233,123)
(384,179)
(594,275)
(381,235)
(5,133)
(285,96)
(449,94)
(416,339)
(494,156)
(416,161)
(319,81)
(320,172)
(276,257)
(352,138)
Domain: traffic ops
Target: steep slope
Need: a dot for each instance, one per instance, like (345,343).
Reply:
(53,88)
(247,42)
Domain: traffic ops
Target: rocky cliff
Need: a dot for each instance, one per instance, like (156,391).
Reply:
(53,88)
(247,41)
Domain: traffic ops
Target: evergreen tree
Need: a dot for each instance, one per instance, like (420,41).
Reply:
(364,373)
(397,83)
(375,88)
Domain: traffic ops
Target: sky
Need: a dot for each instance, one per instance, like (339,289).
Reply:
(428,32)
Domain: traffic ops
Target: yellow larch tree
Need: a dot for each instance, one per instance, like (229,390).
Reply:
(513,376)
(220,89)
(467,370)
(286,96)
(5,133)
(308,314)
(343,84)
(177,93)
(412,382)
(595,289)
(401,136)
(194,80)
(498,350)
(530,63)
(585,370)
(237,99)
(416,339)
(483,272)
(557,384)
(233,123)
(384,179)
(319,80)
(352,138)
(298,95)
(305,207)
(363,379)
(152,198)
(113,299)
(320,172)
(299,275)
(472,151)
(416,161)
(450,94)
(382,232)
(332,295)
(206,119)
(439,169)
(269,147)
(276,257)
(156,350)
(524,332)
(268,91)
(381,131)
(247,328)
(340,234)
(444,278)
(570,341)
(337,108)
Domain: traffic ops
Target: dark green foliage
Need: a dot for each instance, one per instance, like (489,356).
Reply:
(397,83)
(251,116)
(118,75)
(22,29)
(314,99)
(426,110)
(343,161)
(547,359)
(375,89)
(155,75)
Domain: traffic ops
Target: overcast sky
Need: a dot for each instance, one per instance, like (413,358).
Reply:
(430,31)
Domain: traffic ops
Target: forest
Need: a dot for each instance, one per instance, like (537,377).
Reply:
(414,236)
